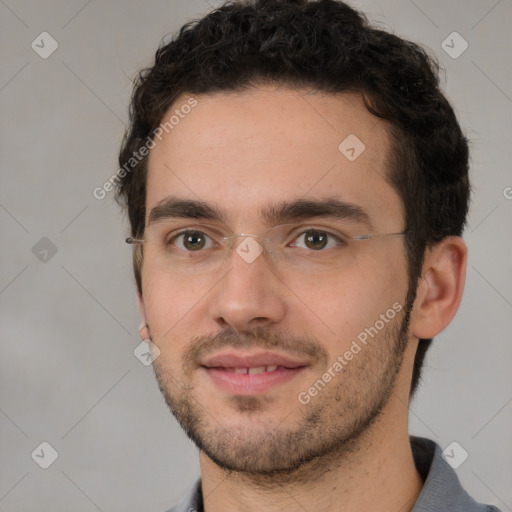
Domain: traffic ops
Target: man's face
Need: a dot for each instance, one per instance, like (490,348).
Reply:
(239,154)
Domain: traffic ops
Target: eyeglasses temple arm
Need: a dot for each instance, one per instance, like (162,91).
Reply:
(134,241)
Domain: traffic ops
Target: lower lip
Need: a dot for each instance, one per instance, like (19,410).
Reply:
(249,384)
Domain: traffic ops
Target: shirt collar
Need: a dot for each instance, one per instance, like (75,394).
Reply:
(441,488)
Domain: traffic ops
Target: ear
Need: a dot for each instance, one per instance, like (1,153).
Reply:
(143,329)
(440,287)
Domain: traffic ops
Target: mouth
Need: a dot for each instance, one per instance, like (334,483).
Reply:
(249,374)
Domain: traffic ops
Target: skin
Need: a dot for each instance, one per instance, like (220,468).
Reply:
(348,448)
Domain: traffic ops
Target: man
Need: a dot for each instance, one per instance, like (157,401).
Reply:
(297,186)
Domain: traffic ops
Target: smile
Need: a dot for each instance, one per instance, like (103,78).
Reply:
(236,373)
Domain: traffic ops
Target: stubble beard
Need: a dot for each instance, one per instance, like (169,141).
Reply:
(326,430)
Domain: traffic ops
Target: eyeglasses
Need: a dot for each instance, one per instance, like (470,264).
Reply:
(294,248)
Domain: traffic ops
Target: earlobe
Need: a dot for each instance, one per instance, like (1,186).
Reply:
(143,328)
(440,289)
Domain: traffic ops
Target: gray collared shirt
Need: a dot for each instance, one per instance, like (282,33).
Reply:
(441,491)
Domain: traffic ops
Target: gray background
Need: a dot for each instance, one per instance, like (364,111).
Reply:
(69,320)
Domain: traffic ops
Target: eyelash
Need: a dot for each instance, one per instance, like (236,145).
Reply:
(340,239)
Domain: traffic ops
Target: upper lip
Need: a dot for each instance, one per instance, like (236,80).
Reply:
(237,360)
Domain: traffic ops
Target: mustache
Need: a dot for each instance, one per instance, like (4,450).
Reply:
(259,337)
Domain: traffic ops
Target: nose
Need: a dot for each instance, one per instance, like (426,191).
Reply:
(250,294)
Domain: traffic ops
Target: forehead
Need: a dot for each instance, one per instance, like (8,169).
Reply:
(240,151)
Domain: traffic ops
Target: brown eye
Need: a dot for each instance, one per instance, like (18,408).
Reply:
(316,239)
(190,240)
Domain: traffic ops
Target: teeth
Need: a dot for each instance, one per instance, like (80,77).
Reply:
(256,369)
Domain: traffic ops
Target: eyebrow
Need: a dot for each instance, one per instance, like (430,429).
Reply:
(272,214)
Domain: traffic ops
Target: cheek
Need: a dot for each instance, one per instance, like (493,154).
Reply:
(383,283)
(338,310)
(334,311)
(167,304)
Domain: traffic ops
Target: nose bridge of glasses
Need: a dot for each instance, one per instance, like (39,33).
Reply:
(250,247)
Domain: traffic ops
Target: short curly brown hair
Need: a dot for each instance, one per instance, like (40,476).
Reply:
(327,46)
